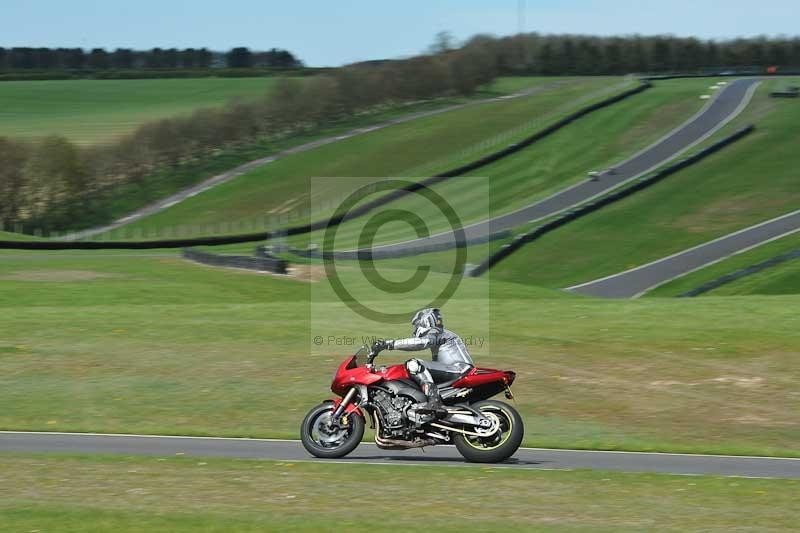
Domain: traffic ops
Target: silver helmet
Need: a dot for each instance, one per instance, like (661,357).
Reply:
(426,320)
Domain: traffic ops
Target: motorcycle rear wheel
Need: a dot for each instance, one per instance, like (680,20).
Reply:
(328,442)
(501,445)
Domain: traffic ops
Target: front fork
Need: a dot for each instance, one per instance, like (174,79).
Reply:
(340,409)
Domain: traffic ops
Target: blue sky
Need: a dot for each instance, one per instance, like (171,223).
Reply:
(332,32)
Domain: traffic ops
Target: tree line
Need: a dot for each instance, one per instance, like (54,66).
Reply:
(520,54)
(589,55)
(72,59)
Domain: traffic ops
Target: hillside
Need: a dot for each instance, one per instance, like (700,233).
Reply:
(548,166)
(749,182)
(415,149)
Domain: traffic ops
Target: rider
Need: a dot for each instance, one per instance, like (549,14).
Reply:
(450,357)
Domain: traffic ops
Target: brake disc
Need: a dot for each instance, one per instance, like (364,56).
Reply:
(492,429)
(326,433)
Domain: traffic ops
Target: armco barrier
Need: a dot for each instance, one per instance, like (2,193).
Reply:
(585,209)
(784,94)
(133,245)
(723,73)
(263,263)
(357,212)
(744,272)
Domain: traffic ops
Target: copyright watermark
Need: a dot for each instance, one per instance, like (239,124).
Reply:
(391,247)
(347,340)
(378,213)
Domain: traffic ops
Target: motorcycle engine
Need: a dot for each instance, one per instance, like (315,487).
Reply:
(392,408)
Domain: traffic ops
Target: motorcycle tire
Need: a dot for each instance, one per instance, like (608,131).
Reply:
(496,448)
(353,433)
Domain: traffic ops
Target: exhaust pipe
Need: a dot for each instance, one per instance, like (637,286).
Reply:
(394,444)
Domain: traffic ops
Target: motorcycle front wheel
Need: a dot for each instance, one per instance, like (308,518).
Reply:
(330,441)
(500,445)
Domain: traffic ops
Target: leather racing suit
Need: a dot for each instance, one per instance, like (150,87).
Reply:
(450,360)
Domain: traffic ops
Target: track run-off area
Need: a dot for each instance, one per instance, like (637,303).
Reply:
(366,453)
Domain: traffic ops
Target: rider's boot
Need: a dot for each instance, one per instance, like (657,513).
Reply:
(434,406)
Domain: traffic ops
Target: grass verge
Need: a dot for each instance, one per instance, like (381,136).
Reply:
(43,492)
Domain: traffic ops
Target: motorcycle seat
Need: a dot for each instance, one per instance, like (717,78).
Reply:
(444,375)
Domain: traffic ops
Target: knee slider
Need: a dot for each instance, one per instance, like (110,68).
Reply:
(415,366)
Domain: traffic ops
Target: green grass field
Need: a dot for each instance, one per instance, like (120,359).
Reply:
(750,182)
(415,149)
(146,342)
(98,111)
(69,494)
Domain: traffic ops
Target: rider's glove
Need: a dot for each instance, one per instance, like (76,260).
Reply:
(379,346)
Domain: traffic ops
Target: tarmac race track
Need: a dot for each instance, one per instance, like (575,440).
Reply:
(287,450)
(729,102)
(635,282)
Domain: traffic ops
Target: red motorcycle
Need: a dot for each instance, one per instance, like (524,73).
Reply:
(483,430)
